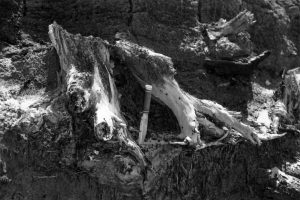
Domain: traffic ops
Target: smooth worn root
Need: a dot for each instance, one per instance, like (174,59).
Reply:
(216,143)
(210,128)
(221,114)
(218,112)
(200,144)
(266,137)
(192,114)
(156,69)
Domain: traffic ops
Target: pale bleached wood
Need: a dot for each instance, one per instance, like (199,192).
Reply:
(239,23)
(89,85)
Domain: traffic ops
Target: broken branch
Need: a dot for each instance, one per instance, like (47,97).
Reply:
(236,25)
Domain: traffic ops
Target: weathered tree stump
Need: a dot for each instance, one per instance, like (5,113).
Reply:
(89,86)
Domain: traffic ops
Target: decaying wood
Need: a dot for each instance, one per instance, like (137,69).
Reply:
(236,25)
(291,94)
(156,69)
(279,113)
(89,86)
(226,67)
(291,182)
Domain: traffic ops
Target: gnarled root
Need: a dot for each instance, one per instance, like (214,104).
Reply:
(199,144)
(156,69)
(122,136)
(219,113)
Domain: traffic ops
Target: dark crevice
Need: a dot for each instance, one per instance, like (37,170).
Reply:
(199,10)
(24,8)
(130,11)
(129,22)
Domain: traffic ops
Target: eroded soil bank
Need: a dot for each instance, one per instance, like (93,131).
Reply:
(42,158)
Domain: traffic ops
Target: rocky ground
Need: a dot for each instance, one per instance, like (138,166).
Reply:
(42,158)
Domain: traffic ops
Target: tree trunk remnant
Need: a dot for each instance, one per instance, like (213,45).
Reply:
(89,86)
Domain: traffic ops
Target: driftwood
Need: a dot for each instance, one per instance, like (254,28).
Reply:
(226,67)
(236,25)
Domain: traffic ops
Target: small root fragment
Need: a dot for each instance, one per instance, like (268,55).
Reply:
(290,128)
(266,137)
(132,146)
(199,144)
(221,114)
(216,143)
(279,112)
